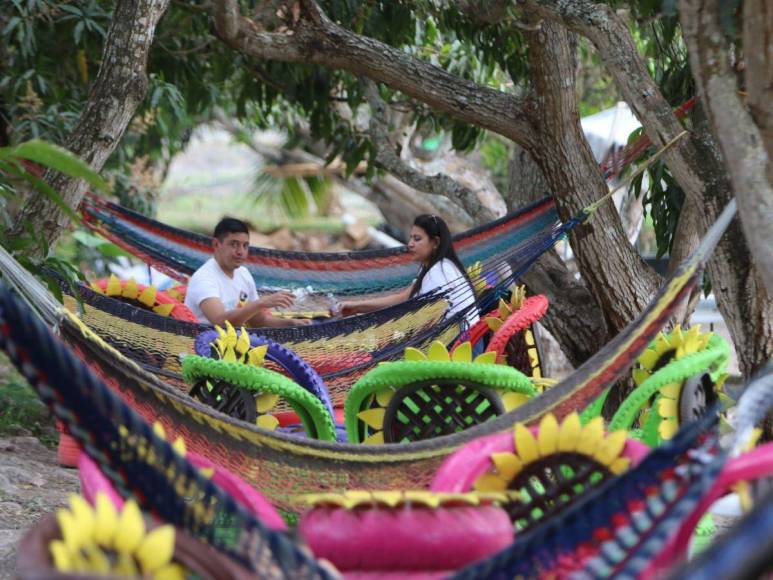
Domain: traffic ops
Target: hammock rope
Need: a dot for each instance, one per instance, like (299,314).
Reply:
(116,437)
(589,539)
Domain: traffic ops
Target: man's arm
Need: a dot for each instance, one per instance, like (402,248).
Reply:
(216,313)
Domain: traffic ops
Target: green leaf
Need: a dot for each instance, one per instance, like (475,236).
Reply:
(57,158)
(110,250)
(19,171)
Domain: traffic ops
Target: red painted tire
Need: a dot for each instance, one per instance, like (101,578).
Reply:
(532,310)
(410,539)
(179,312)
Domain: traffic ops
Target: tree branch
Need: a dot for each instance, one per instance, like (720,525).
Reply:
(387,159)
(315,39)
(611,37)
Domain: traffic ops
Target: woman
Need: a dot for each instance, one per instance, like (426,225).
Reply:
(431,246)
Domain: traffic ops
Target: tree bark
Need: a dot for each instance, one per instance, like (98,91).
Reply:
(118,90)
(617,277)
(758,57)
(742,298)
(574,319)
(741,141)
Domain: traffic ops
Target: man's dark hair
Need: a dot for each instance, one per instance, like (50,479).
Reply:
(229,225)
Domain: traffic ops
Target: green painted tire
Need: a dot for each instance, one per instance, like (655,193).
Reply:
(316,419)
(399,374)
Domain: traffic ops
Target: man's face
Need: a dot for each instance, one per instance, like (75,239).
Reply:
(231,251)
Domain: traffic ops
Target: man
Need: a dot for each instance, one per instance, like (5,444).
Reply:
(223,289)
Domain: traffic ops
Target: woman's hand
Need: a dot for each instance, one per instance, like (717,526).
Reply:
(344,308)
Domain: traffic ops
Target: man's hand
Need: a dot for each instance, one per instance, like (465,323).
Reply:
(282,299)
(303,321)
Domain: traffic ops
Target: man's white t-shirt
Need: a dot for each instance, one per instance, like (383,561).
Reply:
(444,274)
(210,281)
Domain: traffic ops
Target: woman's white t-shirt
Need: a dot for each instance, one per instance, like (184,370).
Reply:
(444,274)
(210,281)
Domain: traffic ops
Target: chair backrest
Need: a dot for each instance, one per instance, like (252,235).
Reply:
(433,408)
(252,393)
(413,400)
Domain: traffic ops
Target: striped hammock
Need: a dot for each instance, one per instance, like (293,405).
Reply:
(281,466)
(180,253)
(339,350)
(595,536)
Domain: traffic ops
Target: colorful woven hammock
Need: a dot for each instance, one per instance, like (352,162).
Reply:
(339,350)
(284,466)
(617,528)
(179,253)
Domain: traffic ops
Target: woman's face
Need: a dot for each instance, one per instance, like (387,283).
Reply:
(421,245)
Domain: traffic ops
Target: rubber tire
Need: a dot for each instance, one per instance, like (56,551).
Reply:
(405,538)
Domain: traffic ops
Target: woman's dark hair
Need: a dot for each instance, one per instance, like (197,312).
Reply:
(435,227)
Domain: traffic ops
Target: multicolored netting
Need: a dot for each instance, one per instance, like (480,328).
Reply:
(339,350)
(282,466)
(179,253)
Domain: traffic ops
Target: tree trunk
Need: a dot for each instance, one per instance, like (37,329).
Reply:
(758,56)
(741,296)
(741,141)
(574,319)
(617,277)
(118,90)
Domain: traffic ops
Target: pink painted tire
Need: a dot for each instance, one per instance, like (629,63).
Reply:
(459,471)
(92,480)
(406,539)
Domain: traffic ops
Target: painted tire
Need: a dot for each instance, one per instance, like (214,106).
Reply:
(398,374)
(92,481)
(410,538)
(532,310)
(295,367)
(459,471)
(179,311)
(316,418)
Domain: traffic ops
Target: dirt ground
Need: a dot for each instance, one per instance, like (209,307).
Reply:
(31,485)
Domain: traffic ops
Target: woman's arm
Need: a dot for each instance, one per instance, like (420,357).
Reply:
(349,307)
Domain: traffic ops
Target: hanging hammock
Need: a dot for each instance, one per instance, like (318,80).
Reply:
(342,350)
(180,253)
(283,466)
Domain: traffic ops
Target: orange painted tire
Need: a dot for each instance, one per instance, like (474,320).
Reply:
(162,300)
